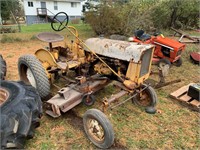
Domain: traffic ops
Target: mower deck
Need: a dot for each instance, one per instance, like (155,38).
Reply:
(72,95)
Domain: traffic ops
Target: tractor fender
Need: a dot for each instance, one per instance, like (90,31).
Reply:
(46,56)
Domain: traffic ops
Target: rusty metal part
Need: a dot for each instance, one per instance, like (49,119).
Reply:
(121,50)
(113,98)
(4,95)
(81,79)
(102,69)
(161,82)
(70,96)
(194,39)
(92,51)
(95,130)
(159,85)
(130,98)
(50,37)
(130,84)
(46,56)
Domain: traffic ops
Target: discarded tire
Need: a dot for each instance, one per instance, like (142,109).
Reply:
(98,128)
(21,110)
(32,72)
(3,68)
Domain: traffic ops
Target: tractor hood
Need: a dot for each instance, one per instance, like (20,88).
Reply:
(122,50)
(172,44)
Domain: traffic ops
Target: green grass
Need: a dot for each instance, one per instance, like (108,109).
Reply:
(29,32)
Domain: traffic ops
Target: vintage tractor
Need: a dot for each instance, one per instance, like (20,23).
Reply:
(166,51)
(96,62)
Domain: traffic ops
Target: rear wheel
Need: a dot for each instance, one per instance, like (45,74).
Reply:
(98,128)
(3,68)
(32,72)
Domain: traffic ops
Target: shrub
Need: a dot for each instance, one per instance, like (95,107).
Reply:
(75,21)
(9,39)
(150,15)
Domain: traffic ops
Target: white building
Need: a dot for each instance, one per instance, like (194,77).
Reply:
(37,11)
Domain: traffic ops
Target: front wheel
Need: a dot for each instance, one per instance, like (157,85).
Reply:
(98,128)
(178,63)
(147,98)
(32,72)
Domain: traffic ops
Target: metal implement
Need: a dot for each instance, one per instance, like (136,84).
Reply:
(72,95)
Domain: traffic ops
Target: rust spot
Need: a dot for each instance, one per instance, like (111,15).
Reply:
(106,46)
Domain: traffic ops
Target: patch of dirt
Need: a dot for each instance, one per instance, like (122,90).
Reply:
(74,120)
(12,51)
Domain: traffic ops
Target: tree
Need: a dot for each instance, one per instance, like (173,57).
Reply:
(8,6)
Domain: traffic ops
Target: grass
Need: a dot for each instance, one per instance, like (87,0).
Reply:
(29,32)
(175,127)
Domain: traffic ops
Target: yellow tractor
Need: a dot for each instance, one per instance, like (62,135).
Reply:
(97,61)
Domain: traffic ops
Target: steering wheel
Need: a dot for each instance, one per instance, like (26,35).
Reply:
(63,20)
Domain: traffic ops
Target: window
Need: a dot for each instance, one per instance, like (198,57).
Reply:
(73,4)
(30,4)
(55,5)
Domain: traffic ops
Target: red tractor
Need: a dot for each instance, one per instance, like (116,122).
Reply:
(166,51)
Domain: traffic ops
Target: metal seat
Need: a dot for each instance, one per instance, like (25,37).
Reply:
(50,37)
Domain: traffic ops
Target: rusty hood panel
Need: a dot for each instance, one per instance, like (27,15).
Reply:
(122,50)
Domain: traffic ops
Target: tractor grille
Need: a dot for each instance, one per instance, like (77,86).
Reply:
(179,52)
(146,61)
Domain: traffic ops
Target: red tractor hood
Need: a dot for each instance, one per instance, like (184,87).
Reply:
(168,42)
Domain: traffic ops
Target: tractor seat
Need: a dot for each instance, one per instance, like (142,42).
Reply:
(141,36)
(50,37)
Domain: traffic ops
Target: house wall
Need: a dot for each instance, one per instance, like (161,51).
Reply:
(63,6)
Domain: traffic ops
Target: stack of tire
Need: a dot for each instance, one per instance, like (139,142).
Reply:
(21,110)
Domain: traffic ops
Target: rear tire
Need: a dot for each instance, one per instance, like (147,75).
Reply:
(3,68)
(32,72)
(21,111)
(98,128)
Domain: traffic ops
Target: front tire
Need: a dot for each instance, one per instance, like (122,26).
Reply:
(178,63)
(32,72)
(98,128)
(147,99)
